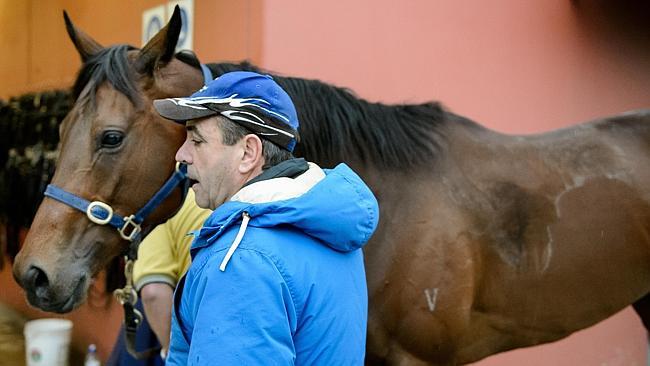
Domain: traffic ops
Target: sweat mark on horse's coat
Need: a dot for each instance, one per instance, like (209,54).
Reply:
(523,218)
(548,250)
(577,183)
(432,296)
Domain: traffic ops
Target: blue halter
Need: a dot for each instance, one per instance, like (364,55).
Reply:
(102,213)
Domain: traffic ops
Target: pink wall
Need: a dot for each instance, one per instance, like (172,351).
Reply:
(514,66)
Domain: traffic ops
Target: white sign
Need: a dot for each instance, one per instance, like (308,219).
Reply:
(154,19)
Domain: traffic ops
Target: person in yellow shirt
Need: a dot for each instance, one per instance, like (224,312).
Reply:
(163,258)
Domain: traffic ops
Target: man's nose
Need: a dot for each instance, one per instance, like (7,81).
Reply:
(182,156)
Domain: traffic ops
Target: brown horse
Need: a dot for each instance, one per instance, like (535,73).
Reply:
(486,242)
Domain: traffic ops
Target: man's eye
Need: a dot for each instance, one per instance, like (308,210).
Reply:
(196,142)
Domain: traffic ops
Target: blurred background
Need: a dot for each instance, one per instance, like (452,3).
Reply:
(514,66)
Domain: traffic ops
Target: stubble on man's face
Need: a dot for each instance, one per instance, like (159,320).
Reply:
(214,164)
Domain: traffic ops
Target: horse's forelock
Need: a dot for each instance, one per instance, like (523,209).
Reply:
(109,65)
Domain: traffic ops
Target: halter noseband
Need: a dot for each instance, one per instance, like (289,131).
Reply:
(101,213)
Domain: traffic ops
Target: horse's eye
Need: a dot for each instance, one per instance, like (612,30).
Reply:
(112,139)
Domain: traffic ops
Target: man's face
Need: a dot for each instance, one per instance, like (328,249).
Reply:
(212,166)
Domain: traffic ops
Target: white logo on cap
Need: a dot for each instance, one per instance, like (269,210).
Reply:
(233,101)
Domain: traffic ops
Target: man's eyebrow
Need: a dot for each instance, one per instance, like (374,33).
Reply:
(195,131)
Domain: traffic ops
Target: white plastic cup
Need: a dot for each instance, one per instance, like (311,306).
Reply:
(47,342)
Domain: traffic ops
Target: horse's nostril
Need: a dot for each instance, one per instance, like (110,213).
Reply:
(37,278)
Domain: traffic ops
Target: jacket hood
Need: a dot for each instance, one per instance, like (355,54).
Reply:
(334,206)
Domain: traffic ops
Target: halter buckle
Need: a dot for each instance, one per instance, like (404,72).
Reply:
(129,223)
(98,220)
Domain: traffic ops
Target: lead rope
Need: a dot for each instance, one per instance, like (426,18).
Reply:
(128,297)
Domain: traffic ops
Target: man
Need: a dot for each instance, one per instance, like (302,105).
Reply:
(277,273)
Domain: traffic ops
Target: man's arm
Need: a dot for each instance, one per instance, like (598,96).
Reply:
(155,275)
(157,300)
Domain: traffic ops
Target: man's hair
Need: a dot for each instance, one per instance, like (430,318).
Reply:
(232,132)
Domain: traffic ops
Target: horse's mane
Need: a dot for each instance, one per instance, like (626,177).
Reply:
(335,123)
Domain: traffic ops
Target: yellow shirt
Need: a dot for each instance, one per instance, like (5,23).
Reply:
(164,255)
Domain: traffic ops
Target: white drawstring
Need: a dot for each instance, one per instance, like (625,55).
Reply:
(235,244)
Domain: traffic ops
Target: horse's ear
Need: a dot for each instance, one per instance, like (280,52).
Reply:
(160,49)
(85,45)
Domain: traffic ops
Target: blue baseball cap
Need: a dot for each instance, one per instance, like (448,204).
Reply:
(252,100)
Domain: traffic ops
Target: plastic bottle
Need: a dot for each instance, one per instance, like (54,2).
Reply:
(91,356)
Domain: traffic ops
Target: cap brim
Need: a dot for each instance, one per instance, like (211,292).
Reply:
(171,109)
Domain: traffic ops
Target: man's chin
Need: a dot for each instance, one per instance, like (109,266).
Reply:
(199,200)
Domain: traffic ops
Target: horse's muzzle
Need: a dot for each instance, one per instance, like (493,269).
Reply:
(41,293)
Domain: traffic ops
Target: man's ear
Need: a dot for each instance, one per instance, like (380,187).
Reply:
(252,157)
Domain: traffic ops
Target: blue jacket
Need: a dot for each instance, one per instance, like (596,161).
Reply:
(277,276)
